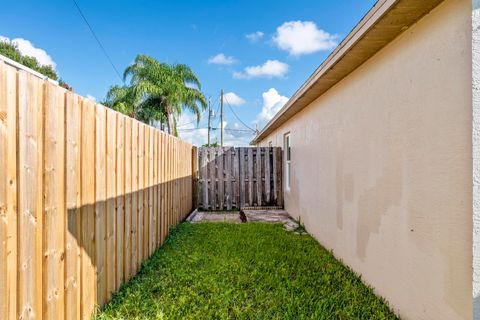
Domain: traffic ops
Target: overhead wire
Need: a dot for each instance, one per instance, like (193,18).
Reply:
(187,123)
(121,79)
(248,129)
(98,40)
(200,128)
(238,118)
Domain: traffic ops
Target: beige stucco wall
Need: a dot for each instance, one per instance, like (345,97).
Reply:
(382,168)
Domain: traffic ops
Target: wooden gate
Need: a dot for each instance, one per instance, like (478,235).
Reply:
(234,178)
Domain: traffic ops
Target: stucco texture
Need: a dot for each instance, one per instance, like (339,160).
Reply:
(476,155)
(382,167)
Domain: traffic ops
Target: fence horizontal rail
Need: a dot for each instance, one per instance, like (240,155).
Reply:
(86,195)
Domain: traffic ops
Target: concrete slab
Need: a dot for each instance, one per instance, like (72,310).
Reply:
(265,216)
(202,216)
(273,216)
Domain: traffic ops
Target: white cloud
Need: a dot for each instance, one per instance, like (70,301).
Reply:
(272,103)
(303,37)
(188,131)
(270,69)
(222,59)
(255,36)
(236,135)
(89,96)
(28,49)
(233,99)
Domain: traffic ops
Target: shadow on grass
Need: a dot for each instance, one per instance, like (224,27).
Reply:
(244,271)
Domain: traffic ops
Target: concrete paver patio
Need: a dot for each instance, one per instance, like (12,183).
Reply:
(258,215)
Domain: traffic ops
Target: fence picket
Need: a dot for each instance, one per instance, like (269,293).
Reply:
(141,191)
(111,194)
(162,188)
(127,255)
(134,235)
(258,176)
(228,178)
(119,200)
(150,201)
(267,175)
(100,203)
(220,191)
(203,178)
(236,178)
(54,202)
(88,281)
(155,191)
(8,223)
(72,193)
(250,176)
(29,290)
(243,166)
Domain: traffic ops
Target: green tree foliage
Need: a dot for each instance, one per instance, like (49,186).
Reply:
(10,50)
(211,145)
(121,99)
(158,92)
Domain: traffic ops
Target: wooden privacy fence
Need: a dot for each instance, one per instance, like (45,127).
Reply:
(86,195)
(233,178)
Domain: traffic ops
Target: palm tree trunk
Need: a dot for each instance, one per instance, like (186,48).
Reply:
(170,125)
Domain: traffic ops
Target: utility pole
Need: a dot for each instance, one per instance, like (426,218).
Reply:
(221,118)
(209,126)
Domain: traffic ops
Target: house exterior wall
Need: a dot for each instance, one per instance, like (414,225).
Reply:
(476,154)
(382,167)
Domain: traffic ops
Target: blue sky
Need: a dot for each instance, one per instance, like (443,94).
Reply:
(287,41)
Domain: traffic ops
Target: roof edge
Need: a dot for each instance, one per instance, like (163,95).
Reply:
(381,15)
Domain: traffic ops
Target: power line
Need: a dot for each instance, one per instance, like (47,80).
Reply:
(98,40)
(238,130)
(249,129)
(187,123)
(190,129)
(218,108)
(203,128)
(231,109)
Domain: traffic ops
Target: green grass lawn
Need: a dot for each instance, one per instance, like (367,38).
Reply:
(244,271)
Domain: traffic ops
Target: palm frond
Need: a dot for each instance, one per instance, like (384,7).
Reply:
(158,90)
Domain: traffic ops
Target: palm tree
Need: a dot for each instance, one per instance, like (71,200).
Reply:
(162,92)
(121,99)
